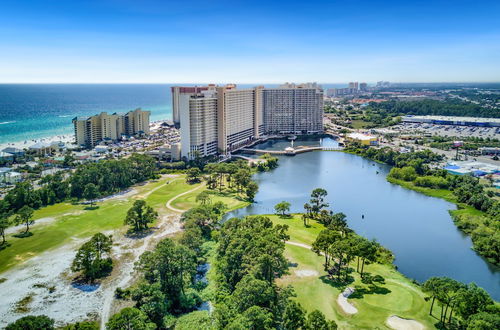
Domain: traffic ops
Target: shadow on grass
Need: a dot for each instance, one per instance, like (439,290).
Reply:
(361,291)
(336,283)
(293,264)
(23,235)
(4,246)
(140,234)
(91,208)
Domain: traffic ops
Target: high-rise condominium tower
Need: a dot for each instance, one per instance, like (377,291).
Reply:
(217,119)
(291,108)
(89,131)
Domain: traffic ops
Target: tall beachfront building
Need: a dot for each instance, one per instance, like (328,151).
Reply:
(219,119)
(89,131)
(292,108)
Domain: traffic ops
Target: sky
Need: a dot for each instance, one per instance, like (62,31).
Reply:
(153,41)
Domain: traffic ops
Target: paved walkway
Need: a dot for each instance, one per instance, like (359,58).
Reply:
(169,203)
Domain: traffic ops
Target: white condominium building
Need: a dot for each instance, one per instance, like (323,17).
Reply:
(198,119)
(89,131)
(291,108)
(237,112)
(217,119)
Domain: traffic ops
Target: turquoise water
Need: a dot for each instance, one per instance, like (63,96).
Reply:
(36,111)
(416,227)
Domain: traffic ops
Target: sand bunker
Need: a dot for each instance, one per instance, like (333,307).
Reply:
(306,273)
(346,306)
(398,323)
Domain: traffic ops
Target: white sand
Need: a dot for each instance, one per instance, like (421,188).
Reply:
(306,273)
(346,306)
(66,303)
(398,323)
(67,139)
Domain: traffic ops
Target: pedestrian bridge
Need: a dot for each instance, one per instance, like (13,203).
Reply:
(289,151)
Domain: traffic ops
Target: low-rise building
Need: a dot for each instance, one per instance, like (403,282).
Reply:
(364,139)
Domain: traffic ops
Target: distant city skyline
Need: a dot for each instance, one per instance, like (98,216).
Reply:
(111,41)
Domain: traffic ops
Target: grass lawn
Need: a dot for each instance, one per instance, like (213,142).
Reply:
(231,199)
(74,221)
(398,296)
(358,123)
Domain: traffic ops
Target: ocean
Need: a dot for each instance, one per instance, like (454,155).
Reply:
(35,111)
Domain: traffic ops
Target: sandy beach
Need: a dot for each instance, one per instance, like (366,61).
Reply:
(68,139)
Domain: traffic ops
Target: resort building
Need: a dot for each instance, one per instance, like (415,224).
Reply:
(89,131)
(291,108)
(220,119)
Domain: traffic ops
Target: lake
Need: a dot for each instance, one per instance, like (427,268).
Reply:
(417,228)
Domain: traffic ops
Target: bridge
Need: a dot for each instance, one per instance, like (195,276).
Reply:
(289,151)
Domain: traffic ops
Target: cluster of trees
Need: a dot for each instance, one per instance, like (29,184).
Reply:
(139,216)
(449,107)
(169,287)
(236,175)
(469,142)
(462,306)
(89,181)
(93,258)
(337,242)
(270,163)
(107,177)
(249,259)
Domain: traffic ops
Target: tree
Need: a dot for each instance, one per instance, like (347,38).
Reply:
(317,321)
(139,215)
(24,216)
(471,300)
(294,316)
(4,224)
(130,319)
(318,200)
(203,198)
(193,175)
(93,257)
(484,321)
(282,207)
(90,193)
(30,322)
(173,266)
(251,190)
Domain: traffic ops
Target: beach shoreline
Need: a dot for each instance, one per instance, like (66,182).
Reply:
(68,139)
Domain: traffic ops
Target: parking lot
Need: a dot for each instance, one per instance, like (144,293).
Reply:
(448,130)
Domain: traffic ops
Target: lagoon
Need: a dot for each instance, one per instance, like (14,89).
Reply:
(417,228)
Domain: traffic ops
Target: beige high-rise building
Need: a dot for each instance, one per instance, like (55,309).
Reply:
(290,108)
(236,117)
(89,131)
(219,119)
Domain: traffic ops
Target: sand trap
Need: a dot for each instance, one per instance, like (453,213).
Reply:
(346,306)
(306,273)
(398,323)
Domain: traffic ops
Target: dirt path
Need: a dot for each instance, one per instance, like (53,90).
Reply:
(398,323)
(170,207)
(305,246)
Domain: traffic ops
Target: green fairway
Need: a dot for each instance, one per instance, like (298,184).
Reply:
(232,201)
(398,296)
(74,221)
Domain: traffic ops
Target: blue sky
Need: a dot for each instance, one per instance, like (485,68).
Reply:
(151,41)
